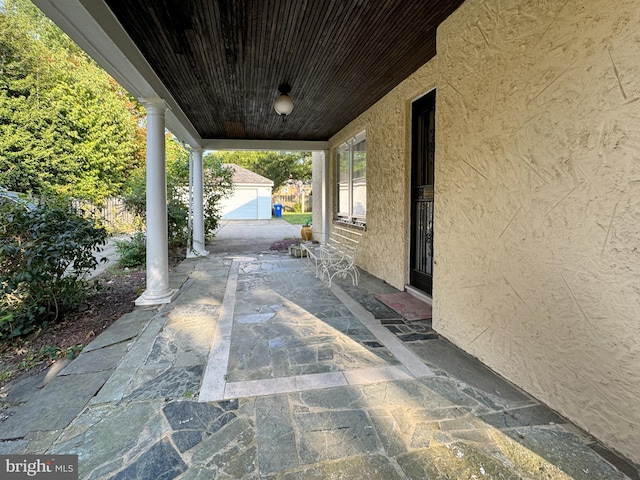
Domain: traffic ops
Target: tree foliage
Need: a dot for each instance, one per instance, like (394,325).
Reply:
(276,166)
(65,125)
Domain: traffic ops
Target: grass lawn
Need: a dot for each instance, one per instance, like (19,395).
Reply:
(296,218)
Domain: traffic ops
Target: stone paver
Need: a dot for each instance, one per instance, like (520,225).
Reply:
(308,382)
(52,407)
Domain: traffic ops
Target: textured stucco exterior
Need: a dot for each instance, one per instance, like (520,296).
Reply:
(383,250)
(537,222)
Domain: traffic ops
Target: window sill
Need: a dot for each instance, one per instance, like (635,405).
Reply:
(352,224)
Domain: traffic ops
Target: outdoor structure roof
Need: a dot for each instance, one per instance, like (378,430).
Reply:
(243,176)
(219,63)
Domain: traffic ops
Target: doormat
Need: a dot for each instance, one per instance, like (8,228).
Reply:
(406,305)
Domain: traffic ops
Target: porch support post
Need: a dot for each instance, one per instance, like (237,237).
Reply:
(198,248)
(321,215)
(158,290)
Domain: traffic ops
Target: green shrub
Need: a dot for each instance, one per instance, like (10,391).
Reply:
(45,253)
(132,253)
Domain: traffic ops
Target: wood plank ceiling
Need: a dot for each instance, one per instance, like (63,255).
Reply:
(224,60)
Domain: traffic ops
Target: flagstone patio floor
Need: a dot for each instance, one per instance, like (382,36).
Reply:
(260,370)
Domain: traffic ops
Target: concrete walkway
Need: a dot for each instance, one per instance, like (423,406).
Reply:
(259,370)
(108,252)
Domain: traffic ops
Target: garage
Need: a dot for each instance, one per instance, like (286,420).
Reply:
(251,198)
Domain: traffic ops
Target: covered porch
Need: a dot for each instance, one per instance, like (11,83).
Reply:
(531,120)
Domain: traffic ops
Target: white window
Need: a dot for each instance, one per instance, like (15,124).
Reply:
(351,158)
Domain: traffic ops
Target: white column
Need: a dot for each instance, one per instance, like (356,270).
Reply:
(320,207)
(198,248)
(158,290)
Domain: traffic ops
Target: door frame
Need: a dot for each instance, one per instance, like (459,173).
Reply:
(410,211)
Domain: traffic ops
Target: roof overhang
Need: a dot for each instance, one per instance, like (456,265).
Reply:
(215,63)
(108,44)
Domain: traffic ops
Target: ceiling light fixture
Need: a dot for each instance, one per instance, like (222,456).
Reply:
(283,104)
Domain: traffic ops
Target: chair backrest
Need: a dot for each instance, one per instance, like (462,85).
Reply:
(345,240)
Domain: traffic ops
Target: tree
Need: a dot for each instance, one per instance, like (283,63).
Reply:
(65,125)
(276,166)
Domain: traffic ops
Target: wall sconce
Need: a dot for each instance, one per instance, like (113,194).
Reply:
(283,104)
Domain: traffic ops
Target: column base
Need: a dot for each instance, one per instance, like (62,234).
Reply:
(156,298)
(197,253)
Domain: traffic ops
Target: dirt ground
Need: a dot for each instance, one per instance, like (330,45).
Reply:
(37,352)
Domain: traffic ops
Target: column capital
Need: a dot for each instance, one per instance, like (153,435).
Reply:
(155,103)
(198,150)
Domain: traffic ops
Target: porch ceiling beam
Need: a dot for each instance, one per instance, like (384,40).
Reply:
(267,145)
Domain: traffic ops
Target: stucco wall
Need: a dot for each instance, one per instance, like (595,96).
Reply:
(537,228)
(538,202)
(383,250)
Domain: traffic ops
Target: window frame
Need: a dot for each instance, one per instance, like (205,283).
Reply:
(348,148)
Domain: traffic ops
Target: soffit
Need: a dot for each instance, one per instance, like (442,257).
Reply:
(222,61)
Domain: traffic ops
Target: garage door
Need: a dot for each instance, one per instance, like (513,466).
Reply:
(243,205)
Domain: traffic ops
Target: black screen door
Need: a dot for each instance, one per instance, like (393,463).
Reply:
(422,191)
